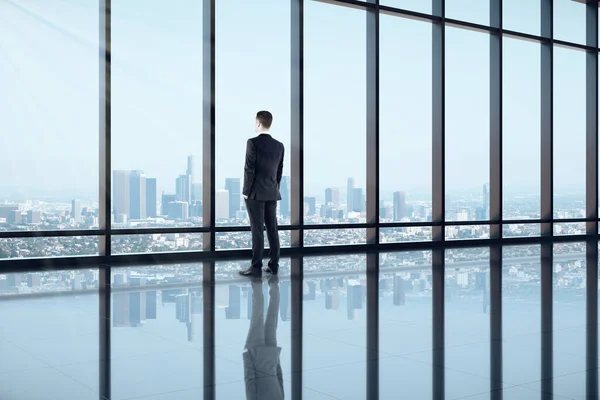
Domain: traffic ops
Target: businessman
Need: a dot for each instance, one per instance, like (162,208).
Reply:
(262,177)
(262,366)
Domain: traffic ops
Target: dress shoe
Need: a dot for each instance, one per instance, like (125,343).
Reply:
(271,269)
(251,272)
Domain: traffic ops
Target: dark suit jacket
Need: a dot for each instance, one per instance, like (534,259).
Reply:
(263,169)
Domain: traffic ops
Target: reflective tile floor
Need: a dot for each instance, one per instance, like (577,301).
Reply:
(500,323)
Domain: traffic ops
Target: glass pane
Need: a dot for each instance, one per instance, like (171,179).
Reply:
(405,119)
(467,232)
(333,237)
(334,111)
(521,314)
(409,234)
(156,243)
(569,228)
(570,20)
(335,304)
(50,335)
(45,247)
(253,337)
(569,133)
(477,11)
(412,5)
(156,113)
(405,314)
(521,138)
(157,320)
(252,74)
(520,230)
(467,125)
(243,240)
(467,318)
(569,319)
(522,16)
(50,115)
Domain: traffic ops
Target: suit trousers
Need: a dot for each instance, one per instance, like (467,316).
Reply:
(263,214)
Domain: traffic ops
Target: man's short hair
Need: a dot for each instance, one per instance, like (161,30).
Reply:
(265,118)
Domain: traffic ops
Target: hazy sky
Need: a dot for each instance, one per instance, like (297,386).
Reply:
(49,97)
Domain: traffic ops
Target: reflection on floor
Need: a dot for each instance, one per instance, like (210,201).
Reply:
(512,323)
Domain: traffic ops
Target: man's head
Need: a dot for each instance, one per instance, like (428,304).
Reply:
(264,119)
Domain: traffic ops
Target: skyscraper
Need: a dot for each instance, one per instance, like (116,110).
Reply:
(137,195)
(121,192)
(184,188)
(312,205)
(164,203)
(332,196)
(222,204)
(232,185)
(486,200)
(14,217)
(191,173)
(233,310)
(399,291)
(151,197)
(196,192)
(34,216)
(350,195)
(76,209)
(399,205)
(178,210)
(284,189)
(357,200)
(6,209)
(191,167)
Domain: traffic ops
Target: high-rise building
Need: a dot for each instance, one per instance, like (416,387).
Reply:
(232,185)
(312,205)
(399,291)
(350,195)
(121,192)
(137,302)
(332,300)
(14,217)
(34,216)
(312,291)
(284,189)
(222,204)
(191,168)
(137,195)
(399,206)
(6,209)
(196,192)
(184,188)
(76,209)
(233,310)
(178,210)
(164,203)
(34,280)
(486,200)
(357,200)
(284,304)
(332,196)
(13,280)
(151,203)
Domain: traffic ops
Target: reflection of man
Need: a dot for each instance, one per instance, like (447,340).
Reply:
(262,368)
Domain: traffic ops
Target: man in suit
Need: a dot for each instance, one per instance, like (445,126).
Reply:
(262,177)
(262,365)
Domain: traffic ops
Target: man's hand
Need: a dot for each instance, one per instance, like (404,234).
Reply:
(245,197)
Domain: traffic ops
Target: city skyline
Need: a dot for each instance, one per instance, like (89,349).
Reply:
(157,126)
